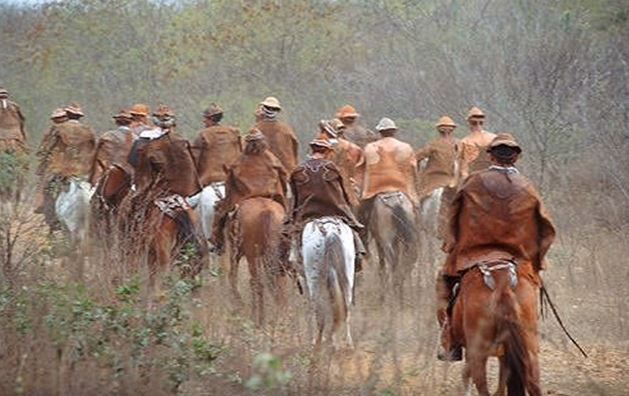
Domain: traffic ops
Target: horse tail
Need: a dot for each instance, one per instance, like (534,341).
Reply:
(512,335)
(405,227)
(337,281)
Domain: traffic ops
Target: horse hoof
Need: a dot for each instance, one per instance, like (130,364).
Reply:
(453,355)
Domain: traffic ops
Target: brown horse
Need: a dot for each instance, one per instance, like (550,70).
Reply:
(496,315)
(111,189)
(255,234)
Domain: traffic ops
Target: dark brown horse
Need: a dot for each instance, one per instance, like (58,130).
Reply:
(496,315)
(255,234)
(111,189)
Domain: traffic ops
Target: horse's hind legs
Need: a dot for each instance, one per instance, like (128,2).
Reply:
(233,281)
(350,341)
(502,378)
(478,370)
(466,374)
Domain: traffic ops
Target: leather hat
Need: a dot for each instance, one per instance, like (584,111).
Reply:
(321,143)
(337,124)
(253,135)
(504,139)
(271,102)
(75,109)
(475,112)
(123,114)
(58,113)
(445,121)
(212,110)
(347,111)
(385,124)
(326,126)
(139,109)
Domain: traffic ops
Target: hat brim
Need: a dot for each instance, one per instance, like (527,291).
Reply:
(512,145)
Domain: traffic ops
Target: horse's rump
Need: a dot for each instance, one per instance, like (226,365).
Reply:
(328,255)
(72,206)
(113,185)
(495,315)
(257,224)
(393,225)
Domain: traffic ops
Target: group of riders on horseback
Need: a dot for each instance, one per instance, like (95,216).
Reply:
(148,178)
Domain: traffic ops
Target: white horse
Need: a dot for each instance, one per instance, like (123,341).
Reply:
(328,253)
(430,208)
(204,203)
(72,208)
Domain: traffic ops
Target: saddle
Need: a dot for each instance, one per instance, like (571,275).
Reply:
(486,268)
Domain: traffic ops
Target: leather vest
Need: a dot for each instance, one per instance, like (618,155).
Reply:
(216,149)
(318,190)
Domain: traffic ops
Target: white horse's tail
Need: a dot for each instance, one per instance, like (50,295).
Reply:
(204,203)
(72,207)
(337,282)
(328,253)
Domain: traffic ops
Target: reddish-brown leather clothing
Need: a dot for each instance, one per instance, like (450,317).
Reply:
(256,175)
(282,141)
(71,150)
(439,170)
(11,125)
(318,190)
(164,164)
(497,215)
(113,147)
(388,165)
(216,148)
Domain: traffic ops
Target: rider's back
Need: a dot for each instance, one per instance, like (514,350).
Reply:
(389,166)
(218,147)
(497,213)
(318,190)
(73,149)
(165,164)
(259,175)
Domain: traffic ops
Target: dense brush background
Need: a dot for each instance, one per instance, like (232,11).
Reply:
(555,73)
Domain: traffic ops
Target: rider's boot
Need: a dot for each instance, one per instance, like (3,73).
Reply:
(449,349)
(361,253)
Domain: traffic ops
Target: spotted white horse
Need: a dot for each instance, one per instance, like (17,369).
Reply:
(328,254)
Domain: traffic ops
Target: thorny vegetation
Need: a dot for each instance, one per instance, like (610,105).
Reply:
(555,74)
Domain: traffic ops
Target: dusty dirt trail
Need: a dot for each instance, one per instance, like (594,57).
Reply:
(396,345)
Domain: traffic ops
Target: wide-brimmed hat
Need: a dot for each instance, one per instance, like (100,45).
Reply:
(271,102)
(347,111)
(475,112)
(321,143)
(58,113)
(212,110)
(75,109)
(123,114)
(4,92)
(445,121)
(504,139)
(326,126)
(139,109)
(337,125)
(253,135)
(386,124)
